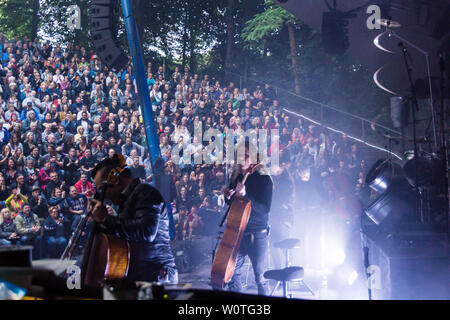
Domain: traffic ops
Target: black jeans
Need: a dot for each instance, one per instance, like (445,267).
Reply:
(153,273)
(255,246)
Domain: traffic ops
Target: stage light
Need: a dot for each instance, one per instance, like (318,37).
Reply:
(382,174)
(430,170)
(397,200)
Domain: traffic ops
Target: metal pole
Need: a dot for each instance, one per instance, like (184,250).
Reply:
(139,73)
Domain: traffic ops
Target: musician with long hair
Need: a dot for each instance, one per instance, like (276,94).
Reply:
(258,189)
(142,221)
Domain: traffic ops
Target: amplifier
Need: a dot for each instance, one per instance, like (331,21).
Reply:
(412,263)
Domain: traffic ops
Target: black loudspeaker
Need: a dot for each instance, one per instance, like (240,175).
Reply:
(399,111)
(103,34)
(409,264)
(441,26)
(334,32)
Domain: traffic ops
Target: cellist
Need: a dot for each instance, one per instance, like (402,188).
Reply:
(142,221)
(254,243)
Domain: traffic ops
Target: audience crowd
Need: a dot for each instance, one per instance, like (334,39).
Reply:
(62,111)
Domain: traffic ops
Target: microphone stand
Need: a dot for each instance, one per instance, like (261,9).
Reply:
(414,107)
(365,252)
(444,142)
(392,33)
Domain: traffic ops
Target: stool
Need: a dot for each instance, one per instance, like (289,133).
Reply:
(287,245)
(284,276)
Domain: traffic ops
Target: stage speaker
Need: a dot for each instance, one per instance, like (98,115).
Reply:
(334,32)
(103,34)
(399,111)
(441,26)
(412,263)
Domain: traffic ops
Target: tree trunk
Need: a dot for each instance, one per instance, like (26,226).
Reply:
(192,62)
(185,39)
(230,40)
(35,19)
(293,46)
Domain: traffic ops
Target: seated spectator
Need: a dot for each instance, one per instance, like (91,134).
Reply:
(70,167)
(88,163)
(76,206)
(84,187)
(38,203)
(31,173)
(137,170)
(15,202)
(5,191)
(44,174)
(54,233)
(25,189)
(11,171)
(54,182)
(179,221)
(8,230)
(198,199)
(129,146)
(29,229)
(193,223)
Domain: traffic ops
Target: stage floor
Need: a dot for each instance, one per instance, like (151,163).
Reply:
(199,277)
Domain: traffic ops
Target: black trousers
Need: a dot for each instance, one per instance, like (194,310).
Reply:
(150,272)
(255,246)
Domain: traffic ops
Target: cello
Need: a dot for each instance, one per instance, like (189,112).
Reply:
(236,217)
(106,258)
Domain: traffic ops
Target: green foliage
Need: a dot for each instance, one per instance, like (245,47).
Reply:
(16,18)
(267,23)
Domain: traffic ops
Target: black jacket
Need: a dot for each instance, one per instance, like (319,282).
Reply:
(53,229)
(143,221)
(258,189)
(6,229)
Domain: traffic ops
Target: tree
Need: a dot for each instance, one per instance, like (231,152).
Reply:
(19,18)
(273,19)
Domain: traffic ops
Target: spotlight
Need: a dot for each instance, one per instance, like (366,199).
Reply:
(382,174)
(397,200)
(430,170)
